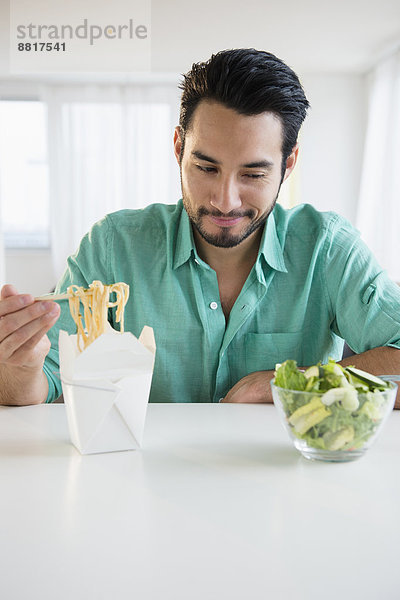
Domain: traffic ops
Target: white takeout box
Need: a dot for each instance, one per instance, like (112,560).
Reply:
(106,389)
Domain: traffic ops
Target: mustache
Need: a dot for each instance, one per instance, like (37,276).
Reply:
(231,215)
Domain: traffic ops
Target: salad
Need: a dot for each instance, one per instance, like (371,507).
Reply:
(343,406)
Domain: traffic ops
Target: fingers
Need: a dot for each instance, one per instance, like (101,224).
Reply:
(23,313)
(11,300)
(22,329)
(14,302)
(8,290)
(33,352)
(25,346)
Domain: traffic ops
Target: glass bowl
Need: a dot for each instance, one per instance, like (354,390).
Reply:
(321,432)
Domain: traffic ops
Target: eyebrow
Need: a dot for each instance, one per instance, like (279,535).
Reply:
(258,164)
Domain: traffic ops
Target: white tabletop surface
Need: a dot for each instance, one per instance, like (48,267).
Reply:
(216,505)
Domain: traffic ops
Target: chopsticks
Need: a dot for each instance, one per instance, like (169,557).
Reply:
(53,297)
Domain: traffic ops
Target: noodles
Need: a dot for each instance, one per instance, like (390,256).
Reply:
(96,302)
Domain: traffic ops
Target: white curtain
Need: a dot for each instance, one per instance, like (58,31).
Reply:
(2,259)
(2,252)
(110,147)
(378,216)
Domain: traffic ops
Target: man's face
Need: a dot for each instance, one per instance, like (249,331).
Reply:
(230,171)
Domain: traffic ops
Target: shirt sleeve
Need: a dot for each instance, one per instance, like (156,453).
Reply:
(90,262)
(365,302)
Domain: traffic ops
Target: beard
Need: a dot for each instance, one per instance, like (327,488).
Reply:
(225,238)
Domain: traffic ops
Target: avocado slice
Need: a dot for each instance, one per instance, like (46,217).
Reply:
(335,440)
(312,372)
(308,415)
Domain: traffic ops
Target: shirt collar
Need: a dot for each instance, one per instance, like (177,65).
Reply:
(270,247)
(184,247)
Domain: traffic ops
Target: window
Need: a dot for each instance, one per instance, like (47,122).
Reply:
(24,174)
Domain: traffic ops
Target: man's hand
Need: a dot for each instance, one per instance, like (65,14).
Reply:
(23,327)
(23,346)
(252,389)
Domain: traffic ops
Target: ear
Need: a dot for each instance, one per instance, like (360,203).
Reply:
(177,144)
(291,161)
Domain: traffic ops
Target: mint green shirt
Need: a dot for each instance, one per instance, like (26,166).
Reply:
(314,284)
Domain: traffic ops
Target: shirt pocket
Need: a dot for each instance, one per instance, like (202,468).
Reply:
(264,350)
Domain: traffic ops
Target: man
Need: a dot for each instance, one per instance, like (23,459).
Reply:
(230,282)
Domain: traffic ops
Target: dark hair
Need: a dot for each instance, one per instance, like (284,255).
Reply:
(251,82)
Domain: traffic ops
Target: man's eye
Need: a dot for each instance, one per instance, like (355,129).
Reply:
(254,175)
(206,169)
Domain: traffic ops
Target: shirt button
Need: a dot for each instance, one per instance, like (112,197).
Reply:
(213,305)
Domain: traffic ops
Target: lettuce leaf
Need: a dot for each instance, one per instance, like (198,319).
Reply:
(288,376)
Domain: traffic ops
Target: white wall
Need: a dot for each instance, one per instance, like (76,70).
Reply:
(331,153)
(2,260)
(332,142)
(30,271)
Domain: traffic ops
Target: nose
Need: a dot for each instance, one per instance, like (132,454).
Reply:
(225,195)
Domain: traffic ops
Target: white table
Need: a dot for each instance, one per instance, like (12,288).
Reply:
(216,505)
